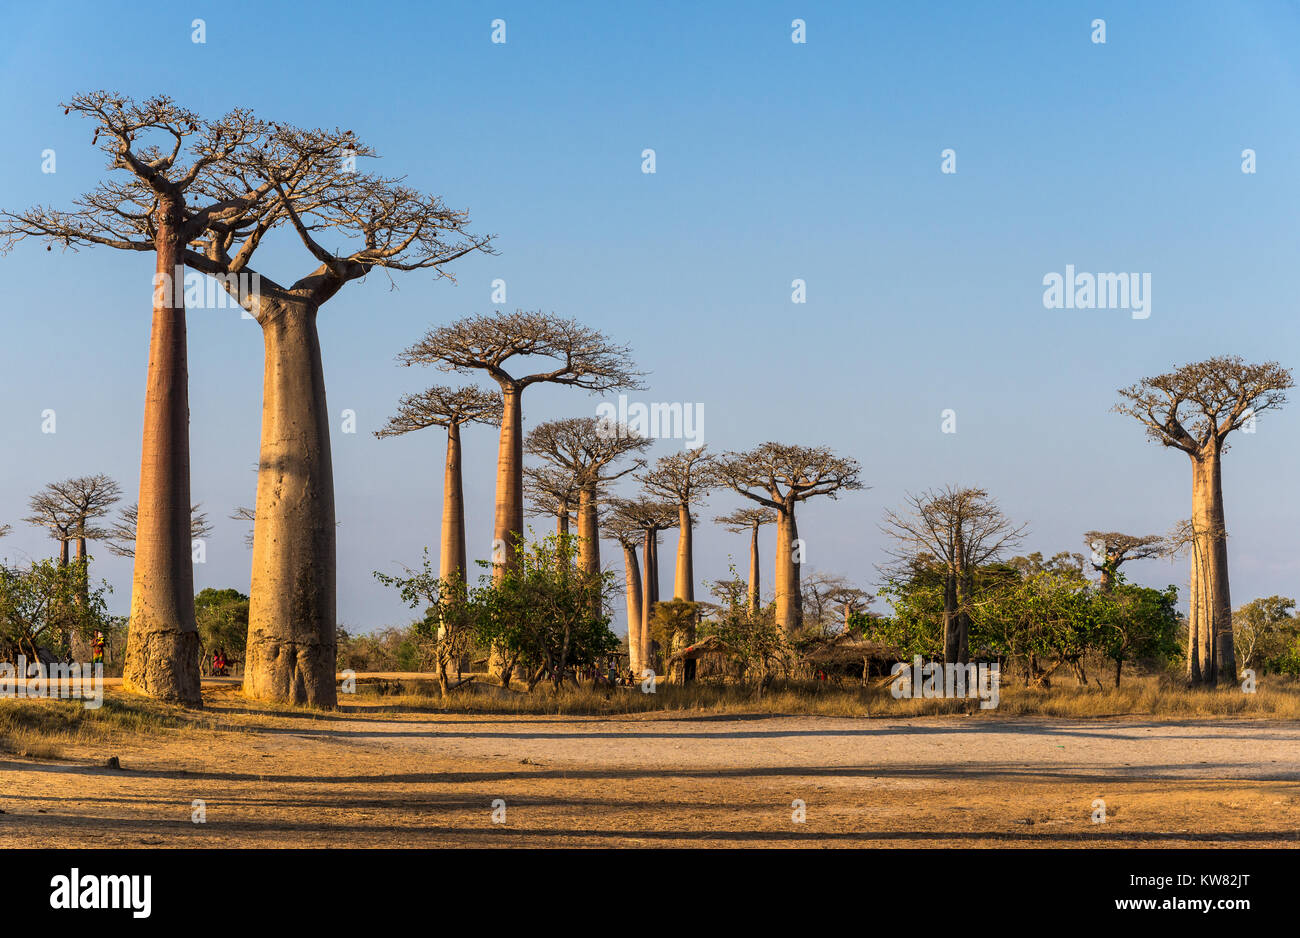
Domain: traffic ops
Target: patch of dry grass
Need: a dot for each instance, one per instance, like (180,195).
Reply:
(1150,696)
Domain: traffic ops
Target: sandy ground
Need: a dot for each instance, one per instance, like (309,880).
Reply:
(362,779)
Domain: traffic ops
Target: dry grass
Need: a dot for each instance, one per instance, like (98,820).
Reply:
(1152,697)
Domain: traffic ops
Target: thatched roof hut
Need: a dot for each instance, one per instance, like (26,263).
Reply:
(847,650)
(710,645)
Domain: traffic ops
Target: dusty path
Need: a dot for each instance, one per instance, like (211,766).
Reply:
(421,779)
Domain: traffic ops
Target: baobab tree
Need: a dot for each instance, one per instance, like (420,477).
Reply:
(171,159)
(683,478)
(1194,408)
(624,529)
(779,477)
(371,222)
(963,528)
(450,408)
(650,516)
(552,491)
(581,446)
(120,536)
(1114,549)
(582,358)
(49,511)
(749,520)
(88,498)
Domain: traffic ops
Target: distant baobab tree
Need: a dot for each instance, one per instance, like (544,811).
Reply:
(120,536)
(682,478)
(1194,408)
(552,491)
(1116,549)
(583,358)
(175,188)
(629,535)
(370,222)
(963,528)
(750,520)
(450,408)
(581,446)
(246,514)
(650,516)
(779,477)
(50,512)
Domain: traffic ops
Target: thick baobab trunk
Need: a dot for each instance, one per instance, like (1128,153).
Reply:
(162,649)
(1225,659)
(508,521)
(508,524)
(754,595)
(650,595)
(1213,608)
(562,521)
(452,557)
(789,601)
(684,583)
(588,529)
(951,625)
(632,578)
(292,648)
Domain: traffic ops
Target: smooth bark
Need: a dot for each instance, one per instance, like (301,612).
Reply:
(632,577)
(292,646)
(684,584)
(162,650)
(452,557)
(754,585)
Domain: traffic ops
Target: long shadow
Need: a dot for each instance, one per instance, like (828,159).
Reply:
(506,832)
(935,771)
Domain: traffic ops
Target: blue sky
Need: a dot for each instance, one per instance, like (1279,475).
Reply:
(775,161)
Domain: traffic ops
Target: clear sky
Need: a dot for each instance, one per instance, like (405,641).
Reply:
(774,161)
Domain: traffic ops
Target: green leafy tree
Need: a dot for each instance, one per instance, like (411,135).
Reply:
(222,617)
(44,605)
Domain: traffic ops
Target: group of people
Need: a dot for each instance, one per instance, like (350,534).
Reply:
(221,664)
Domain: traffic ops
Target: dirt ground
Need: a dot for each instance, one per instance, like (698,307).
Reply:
(416,779)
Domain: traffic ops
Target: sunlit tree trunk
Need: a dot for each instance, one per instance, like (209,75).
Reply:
(684,584)
(291,655)
(1225,661)
(588,529)
(162,655)
(651,593)
(632,577)
(754,586)
(508,524)
(452,558)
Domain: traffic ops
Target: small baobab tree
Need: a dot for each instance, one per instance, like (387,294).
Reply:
(1194,408)
(1111,550)
(962,528)
(552,491)
(169,158)
(629,535)
(581,358)
(50,511)
(649,516)
(779,477)
(450,408)
(587,448)
(683,478)
(121,534)
(749,520)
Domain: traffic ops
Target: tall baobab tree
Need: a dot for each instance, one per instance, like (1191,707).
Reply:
(624,529)
(1115,549)
(88,498)
(170,158)
(963,528)
(369,222)
(738,522)
(120,536)
(779,477)
(682,478)
(1194,408)
(582,358)
(552,491)
(650,516)
(450,408)
(580,445)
